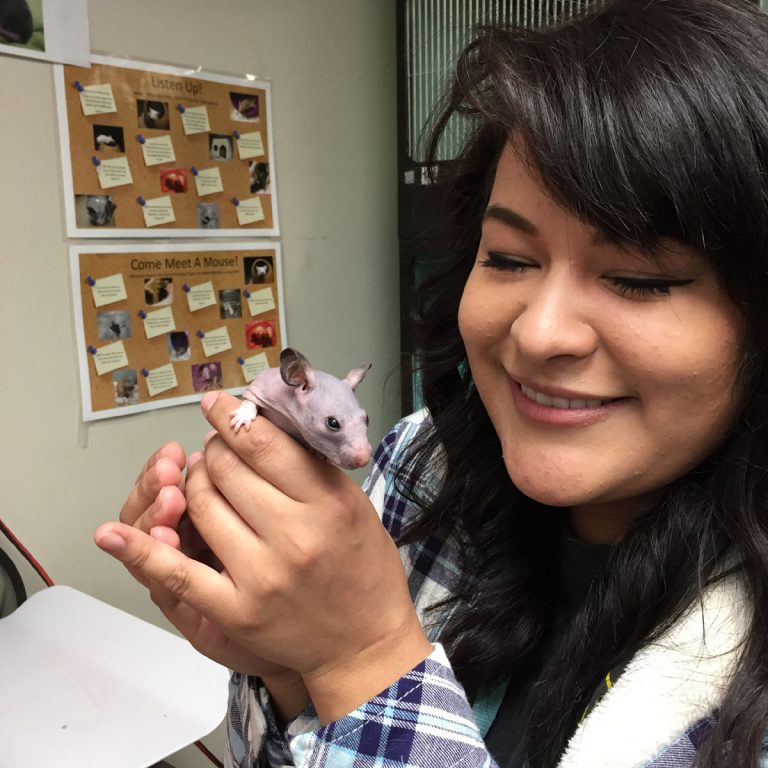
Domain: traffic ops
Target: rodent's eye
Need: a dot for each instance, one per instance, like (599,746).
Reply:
(333,424)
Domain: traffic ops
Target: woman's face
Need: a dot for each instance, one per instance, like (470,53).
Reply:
(606,373)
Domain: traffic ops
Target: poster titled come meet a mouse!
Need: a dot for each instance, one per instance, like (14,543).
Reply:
(154,151)
(161,325)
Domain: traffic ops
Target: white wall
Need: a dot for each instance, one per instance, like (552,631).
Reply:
(332,64)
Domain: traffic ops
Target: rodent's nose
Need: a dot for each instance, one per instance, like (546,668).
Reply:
(360,458)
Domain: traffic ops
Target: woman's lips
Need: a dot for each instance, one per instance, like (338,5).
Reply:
(560,410)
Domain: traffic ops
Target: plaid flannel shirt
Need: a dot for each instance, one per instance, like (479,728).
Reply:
(423,720)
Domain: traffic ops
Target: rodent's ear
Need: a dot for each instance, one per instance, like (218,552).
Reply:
(356,375)
(295,369)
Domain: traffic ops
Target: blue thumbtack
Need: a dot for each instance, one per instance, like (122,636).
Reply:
(235,201)
(90,281)
(142,314)
(140,139)
(144,372)
(181,109)
(240,361)
(194,171)
(141,201)
(92,349)
(200,335)
(78,86)
(236,134)
(95,160)
(247,293)
(185,288)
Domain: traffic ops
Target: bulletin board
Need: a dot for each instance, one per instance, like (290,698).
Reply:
(158,151)
(160,325)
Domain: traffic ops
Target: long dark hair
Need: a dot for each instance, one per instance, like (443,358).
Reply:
(649,120)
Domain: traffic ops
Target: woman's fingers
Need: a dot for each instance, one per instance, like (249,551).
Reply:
(164,469)
(184,579)
(225,531)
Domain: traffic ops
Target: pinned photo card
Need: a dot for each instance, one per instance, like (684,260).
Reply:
(260,301)
(107,290)
(113,172)
(150,129)
(200,296)
(160,380)
(97,99)
(109,358)
(207,181)
(157,150)
(215,341)
(157,211)
(249,211)
(158,322)
(166,324)
(194,119)
(249,145)
(253,365)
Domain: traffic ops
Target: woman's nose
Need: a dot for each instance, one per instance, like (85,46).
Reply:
(553,321)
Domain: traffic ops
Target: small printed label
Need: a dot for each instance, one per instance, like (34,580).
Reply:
(108,290)
(201,296)
(97,100)
(250,145)
(261,301)
(158,150)
(157,211)
(216,341)
(250,211)
(208,181)
(161,379)
(159,322)
(195,120)
(254,365)
(114,172)
(110,357)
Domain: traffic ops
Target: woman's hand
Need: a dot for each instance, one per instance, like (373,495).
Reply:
(156,506)
(311,581)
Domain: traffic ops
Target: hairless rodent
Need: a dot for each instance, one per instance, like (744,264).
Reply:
(319,410)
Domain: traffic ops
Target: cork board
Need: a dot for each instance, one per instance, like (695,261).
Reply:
(149,151)
(159,325)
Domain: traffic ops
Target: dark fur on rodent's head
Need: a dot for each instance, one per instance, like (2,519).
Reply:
(647,119)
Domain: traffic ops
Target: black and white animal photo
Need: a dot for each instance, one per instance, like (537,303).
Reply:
(208,215)
(153,114)
(95,210)
(108,137)
(258,175)
(258,270)
(220,146)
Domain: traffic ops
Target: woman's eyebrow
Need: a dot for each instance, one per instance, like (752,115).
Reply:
(526,226)
(511,219)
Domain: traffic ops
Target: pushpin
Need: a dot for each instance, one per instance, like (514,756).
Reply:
(247,293)
(142,314)
(92,349)
(194,170)
(200,335)
(235,201)
(181,108)
(140,139)
(236,134)
(141,201)
(144,372)
(95,160)
(78,86)
(240,361)
(90,281)
(186,288)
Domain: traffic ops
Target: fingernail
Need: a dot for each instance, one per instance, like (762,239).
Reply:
(209,436)
(111,542)
(208,400)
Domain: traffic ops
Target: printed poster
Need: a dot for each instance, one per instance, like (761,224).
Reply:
(154,151)
(159,326)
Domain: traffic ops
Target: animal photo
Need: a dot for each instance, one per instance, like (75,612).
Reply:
(208,215)
(95,211)
(108,139)
(258,269)
(153,114)
(220,146)
(21,23)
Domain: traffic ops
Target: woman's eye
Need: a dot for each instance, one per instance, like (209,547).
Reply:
(645,286)
(495,260)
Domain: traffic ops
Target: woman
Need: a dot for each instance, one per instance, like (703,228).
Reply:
(582,513)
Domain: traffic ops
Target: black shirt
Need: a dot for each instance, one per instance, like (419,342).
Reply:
(579,562)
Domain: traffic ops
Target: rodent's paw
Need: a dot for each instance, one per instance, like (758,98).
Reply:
(243,416)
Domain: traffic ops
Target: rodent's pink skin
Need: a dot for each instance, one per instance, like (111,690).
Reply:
(319,410)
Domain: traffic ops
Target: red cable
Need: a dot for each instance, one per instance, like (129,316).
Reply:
(49,581)
(26,554)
